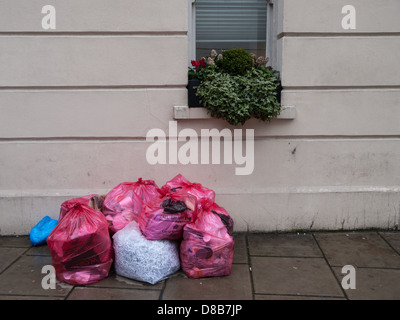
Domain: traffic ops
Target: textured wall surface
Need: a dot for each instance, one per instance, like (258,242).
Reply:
(77,102)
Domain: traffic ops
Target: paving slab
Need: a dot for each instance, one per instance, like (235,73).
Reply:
(39,251)
(24,277)
(93,293)
(393,238)
(290,245)
(15,241)
(373,284)
(359,249)
(116,281)
(6,297)
(240,250)
(8,256)
(236,286)
(294,276)
(293,297)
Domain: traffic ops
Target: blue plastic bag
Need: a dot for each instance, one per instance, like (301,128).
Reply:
(41,231)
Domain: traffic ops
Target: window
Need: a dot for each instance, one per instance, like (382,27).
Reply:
(226,24)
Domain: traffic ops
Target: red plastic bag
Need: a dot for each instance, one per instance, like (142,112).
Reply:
(80,246)
(165,216)
(146,189)
(121,206)
(67,205)
(181,184)
(207,245)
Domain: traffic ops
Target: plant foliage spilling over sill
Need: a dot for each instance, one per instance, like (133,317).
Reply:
(236,86)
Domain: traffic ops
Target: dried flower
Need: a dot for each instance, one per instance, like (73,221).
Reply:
(220,56)
(213,53)
(210,61)
(261,61)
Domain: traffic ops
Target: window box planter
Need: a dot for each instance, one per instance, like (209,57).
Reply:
(235,86)
(193,99)
(278,91)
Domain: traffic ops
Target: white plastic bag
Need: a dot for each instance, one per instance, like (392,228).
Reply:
(144,260)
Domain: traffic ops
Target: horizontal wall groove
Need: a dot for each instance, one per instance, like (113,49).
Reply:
(337,34)
(92,87)
(329,137)
(221,191)
(374,87)
(72,139)
(306,138)
(92,33)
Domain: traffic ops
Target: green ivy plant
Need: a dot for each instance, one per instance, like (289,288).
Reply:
(237,97)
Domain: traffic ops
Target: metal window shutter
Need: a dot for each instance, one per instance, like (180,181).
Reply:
(230,23)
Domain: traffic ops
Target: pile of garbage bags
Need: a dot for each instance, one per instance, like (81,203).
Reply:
(145,232)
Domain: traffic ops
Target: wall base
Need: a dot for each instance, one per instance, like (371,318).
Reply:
(276,210)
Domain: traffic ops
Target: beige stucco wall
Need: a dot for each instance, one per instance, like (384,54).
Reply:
(345,85)
(77,102)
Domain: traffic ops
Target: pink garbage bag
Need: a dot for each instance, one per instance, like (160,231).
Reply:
(67,205)
(123,203)
(180,183)
(80,246)
(207,246)
(146,189)
(121,206)
(165,216)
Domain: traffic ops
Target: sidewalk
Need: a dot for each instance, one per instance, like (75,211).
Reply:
(265,267)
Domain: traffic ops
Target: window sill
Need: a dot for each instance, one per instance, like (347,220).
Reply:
(186,113)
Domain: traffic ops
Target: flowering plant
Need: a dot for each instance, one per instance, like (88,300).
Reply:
(201,64)
(236,86)
(197,69)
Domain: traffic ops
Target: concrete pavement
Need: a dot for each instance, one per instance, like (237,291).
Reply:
(267,266)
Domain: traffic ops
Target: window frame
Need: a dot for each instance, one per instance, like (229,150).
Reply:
(270,41)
